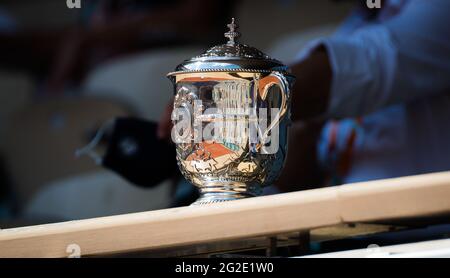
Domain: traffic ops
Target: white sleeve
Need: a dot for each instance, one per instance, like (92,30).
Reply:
(403,59)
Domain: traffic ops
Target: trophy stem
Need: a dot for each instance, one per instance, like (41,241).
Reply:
(221,192)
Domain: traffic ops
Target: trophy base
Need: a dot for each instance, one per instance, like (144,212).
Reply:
(216,193)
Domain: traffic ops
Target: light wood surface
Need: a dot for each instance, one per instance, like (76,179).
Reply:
(426,249)
(390,199)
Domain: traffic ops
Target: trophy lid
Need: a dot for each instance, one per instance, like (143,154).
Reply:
(231,57)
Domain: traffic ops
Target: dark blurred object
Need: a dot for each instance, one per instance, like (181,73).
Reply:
(7,204)
(370,13)
(4,182)
(185,194)
(135,152)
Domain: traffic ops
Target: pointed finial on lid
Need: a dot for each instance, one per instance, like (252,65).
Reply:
(232,34)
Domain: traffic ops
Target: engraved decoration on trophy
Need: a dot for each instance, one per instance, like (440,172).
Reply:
(231,118)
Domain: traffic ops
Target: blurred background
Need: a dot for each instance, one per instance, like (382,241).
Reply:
(65,72)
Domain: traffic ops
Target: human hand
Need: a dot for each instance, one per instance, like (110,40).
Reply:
(311,90)
(302,170)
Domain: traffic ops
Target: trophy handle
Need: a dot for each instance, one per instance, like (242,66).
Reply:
(264,84)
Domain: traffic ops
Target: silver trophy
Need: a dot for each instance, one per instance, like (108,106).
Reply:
(231,116)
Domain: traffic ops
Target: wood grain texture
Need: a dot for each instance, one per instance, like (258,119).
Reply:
(415,196)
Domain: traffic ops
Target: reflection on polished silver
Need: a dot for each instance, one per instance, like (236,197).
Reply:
(221,98)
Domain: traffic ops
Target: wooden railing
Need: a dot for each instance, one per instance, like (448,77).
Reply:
(246,221)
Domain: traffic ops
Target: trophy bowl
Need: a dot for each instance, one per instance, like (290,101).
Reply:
(231,116)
